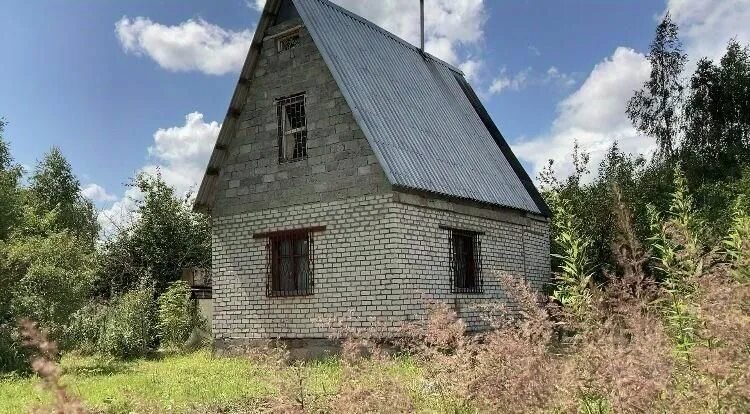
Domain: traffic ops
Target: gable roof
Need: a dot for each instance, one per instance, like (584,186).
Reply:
(422,119)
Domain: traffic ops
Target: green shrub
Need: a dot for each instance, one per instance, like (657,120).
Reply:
(178,315)
(86,327)
(12,355)
(129,326)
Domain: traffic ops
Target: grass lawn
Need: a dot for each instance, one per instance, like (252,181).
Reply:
(180,383)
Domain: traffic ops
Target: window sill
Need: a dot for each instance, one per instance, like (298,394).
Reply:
(288,161)
(288,294)
(473,291)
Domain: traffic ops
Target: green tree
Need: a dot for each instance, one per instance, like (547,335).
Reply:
(717,111)
(653,109)
(54,188)
(10,191)
(166,237)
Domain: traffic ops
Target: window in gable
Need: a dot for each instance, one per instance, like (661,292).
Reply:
(288,42)
(465,250)
(292,128)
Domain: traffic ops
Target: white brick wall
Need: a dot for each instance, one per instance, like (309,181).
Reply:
(378,261)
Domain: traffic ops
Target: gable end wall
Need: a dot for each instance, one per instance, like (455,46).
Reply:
(340,162)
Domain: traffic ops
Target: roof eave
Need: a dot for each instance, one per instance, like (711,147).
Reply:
(205,198)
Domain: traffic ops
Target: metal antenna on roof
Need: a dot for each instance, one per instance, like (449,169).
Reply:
(421,25)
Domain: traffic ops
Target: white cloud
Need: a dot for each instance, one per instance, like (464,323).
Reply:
(256,4)
(450,25)
(529,77)
(180,154)
(594,115)
(707,25)
(471,69)
(560,78)
(97,193)
(193,45)
(504,81)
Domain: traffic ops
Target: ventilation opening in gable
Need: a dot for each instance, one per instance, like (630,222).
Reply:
(288,42)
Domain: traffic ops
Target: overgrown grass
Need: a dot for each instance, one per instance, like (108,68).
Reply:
(186,383)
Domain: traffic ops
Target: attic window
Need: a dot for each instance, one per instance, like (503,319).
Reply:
(292,128)
(287,42)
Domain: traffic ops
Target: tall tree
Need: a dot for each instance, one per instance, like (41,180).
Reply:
(653,109)
(54,188)
(717,112)
(10,174)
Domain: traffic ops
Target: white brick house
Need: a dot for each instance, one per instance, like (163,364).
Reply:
(356,177)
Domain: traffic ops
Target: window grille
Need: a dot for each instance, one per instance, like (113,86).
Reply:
(290,262)
(292,128)
(465,255)
(288,42)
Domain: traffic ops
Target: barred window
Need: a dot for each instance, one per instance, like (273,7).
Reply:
(465,250)
(292,128)
(290,262)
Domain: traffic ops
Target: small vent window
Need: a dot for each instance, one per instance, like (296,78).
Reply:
(288,42)
(465,261)
(292,128)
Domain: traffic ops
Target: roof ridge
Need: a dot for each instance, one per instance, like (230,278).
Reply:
(388,34)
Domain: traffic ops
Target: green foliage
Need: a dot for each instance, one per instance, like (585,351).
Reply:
(653,109)
(12,355)
(54,188)
(737,243)
(48,279)
(574,278)
(166,237)
(679,257)
(177,316)
(717,112)
(129,327)
(638,182)
(87,327)
(10,191)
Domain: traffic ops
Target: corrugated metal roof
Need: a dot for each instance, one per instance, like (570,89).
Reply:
(411,107)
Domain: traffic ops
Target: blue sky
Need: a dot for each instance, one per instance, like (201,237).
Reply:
(127,86)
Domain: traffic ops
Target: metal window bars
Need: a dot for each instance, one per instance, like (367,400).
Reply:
(292,126)
(465,258)
(290,262)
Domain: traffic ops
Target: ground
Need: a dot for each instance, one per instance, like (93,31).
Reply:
(196,382)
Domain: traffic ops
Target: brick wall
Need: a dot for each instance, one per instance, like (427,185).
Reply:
(510,242)
(340,162)
(379,261)
(352,265)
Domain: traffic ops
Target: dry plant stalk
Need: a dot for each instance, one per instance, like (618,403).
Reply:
(43,363)
(366,386)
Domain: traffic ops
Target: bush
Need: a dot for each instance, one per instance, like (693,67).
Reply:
(50,279)
(87,327)
(178,315)
(129,326)
(12,355)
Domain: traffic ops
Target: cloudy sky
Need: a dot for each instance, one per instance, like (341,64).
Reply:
(137,85)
